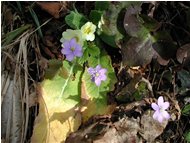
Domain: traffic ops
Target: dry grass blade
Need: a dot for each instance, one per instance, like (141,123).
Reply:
(15,92)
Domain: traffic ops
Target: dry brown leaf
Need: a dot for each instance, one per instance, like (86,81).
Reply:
(183,54)
(52,8)
(123,131)
(150,128)
(56,120)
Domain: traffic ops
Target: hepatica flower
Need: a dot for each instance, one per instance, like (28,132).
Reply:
(69,34)
(71,49)
(98,74)
(160,114)
(88,31)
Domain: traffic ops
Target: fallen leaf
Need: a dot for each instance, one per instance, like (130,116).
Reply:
(53,8)
(58,103)
(150,128)
(132,24)
(183,54)
(123,131)
(184,77)
(137,52)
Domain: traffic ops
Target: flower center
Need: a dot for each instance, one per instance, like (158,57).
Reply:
(72,49)
(161,109)
(97,74)
(87,30)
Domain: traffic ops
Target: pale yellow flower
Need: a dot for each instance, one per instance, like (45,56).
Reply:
(88,31)
(69,34)
(100,23)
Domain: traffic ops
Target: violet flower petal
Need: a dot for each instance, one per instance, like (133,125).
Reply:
(155,106)
(98,67)
(160,118)
(165,105)
(166,114)
(69,57)
(160,101)
(155,115)
(66,51)
(73,42)
(97,81)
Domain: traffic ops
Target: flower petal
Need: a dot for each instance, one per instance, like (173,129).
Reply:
(97,81)
(103,77)
(73,42)
(66,51)
(91,71)
(103,71)
(156,114)
(70,57)
(160,118)
(165,105)
(78,51)
(66,44)
(98,67)
(90,37)
(155,106)
(160,101)
(166,114)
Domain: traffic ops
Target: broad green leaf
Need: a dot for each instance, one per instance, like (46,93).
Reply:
(112,29)
(58,103)
(101,5)
(98,95)
(186,110)
(95,16)
(184,77)
(53,68)
(149,23)
(75,20)
(109,28)
(9,37)
(187,137)
(90,50)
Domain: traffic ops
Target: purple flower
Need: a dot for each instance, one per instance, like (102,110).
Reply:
(160,114)
(71,49)
(98,74)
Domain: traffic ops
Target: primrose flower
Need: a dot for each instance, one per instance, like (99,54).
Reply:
(69,34)
(160,114)
(98,74)
(71,49)
(101,22)
(88,31)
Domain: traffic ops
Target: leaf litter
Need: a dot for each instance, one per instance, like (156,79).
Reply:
(151,66)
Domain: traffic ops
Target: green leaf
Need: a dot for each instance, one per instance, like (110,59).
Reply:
(9,37)
(108,39)
(184,77)
(36,20)
(53,67)
(101,5)
(63,82)
(58,105)
(75,20)
(90,50)
(141,91)
(187,137)
(150,23)
(98,104)
(95,16)
(110,33)
(93,50)
(186,110)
